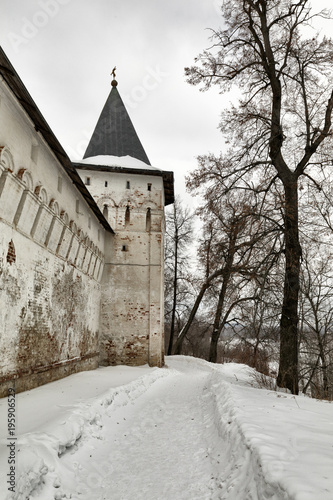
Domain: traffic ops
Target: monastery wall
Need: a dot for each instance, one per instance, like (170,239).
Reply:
(51,260)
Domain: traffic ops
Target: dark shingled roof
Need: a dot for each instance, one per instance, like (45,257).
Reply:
(114,134)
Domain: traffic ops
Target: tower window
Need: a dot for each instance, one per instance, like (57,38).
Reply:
(59,184)
(148,219)
(106,184)
(87,181)
(124,248)
(149,187)
(128,185)
(105,211)
(127,215)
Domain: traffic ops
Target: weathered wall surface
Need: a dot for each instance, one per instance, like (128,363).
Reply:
(51,260)
(71,293)
(132,325)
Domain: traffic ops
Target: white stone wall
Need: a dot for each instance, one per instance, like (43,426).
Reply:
(132,324)
(68,288)
(51,260)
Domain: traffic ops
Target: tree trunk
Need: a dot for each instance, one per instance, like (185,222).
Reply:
(185,329)
(216,330)
(288,368)
(217,321)
(216,327)
(174,304)
(325,386)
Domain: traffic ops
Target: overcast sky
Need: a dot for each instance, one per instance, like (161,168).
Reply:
(64,51)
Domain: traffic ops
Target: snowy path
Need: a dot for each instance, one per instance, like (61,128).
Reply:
(164,445)
(189,431)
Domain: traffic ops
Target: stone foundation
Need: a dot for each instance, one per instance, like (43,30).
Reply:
(24,381)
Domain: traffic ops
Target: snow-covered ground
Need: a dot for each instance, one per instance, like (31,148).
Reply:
(191,431)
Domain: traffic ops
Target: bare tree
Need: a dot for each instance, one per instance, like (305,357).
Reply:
(316,342)
(278,127)
(231,255)
(260,318)
(178,237)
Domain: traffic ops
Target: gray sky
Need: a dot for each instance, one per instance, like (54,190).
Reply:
(64,51)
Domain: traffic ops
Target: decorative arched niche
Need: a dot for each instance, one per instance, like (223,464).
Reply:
(26,178)
(73,227)
(41,193)
(105,200)
(54,206)
(108,208)
(64,217)
(6,159)
(128,201)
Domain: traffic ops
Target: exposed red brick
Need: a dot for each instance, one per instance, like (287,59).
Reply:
(11,255)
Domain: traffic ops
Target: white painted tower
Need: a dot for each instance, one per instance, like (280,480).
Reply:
(131,194)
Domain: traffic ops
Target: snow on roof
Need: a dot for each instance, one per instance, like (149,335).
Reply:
(117,161)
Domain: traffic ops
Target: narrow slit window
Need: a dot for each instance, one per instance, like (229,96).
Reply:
(149,187)
(127,215)
(148,219)
(124,248)
(105,211)
(128,185)
(106,184)
(87,181)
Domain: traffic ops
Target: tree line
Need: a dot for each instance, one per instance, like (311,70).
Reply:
(262,273)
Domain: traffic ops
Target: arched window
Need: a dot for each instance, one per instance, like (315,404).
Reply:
(127,215)
(105,211)
(148,219)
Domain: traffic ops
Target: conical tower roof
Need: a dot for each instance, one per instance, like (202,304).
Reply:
(114,134)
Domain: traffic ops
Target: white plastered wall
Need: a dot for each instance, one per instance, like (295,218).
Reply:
(132,321)
(51,259)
